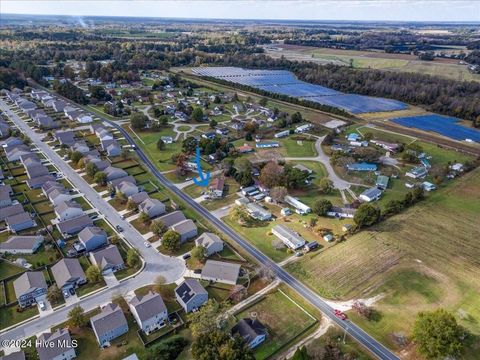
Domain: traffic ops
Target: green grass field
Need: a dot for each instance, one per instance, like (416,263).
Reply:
(424,258)
(149,144)
(7,269)
(10,316)
(260,236)
(284,319)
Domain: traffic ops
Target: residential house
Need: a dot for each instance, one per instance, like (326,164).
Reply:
(59,195)
(13,153)
(382,182)
(81,146)
(341,212)
(84,119)
(127,187)
(371,194)
(49,186)
(21,244)
(303,128)
(186,228)
(251,331)
(138,197)
(17,355)
(74,226)
(68,210)
(92,237)
(37,182)
(11,210)
(300,208)
(267,145)
(30,286)
(55,346)
(68,274)
(11,142)
(58,105)
(211,242)
(172,218)
(149,311)
(19,222)
(220,271)
(216,188)
(428,186)
(417,172)
(152,207)
(289,237)
(71,112)
(282,134)
(109,324)
(191,295)
(114,173)
(362,167)
(258,212)
(5,193)
(66,138)
(108,259)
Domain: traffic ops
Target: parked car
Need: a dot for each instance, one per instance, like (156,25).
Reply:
(42,305)
(340,314)
(119,228)
(66,294)
(186,256)
(147,244)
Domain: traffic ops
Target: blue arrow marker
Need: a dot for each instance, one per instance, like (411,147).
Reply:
(204,177)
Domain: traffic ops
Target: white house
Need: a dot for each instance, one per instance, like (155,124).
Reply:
(149,311)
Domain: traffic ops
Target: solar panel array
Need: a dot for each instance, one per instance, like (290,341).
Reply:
(285,83)
(358,104)
(444,125)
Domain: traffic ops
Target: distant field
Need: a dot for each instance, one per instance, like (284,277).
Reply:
(425,258)
(377,60)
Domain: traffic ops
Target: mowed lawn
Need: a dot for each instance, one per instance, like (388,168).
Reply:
(424,258)
(260,236)
(160,158)
(284,319)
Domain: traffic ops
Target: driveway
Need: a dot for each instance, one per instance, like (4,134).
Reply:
(110,279)
(338,182)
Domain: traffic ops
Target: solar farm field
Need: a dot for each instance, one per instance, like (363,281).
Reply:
(443,125)
(285,83)
(358,104)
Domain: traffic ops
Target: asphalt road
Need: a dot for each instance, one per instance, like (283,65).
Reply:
(361,336)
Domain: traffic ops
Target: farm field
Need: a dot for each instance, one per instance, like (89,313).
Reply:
(424,258)
(377,60)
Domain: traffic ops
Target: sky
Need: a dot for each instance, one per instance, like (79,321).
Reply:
(392,10)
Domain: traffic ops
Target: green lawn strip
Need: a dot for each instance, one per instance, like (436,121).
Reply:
(148,143)
(10,316)
(7,269)
(260,236)
(90,287)
(105,226)
(297,148)
(83,203)
(182,249)
(142,227)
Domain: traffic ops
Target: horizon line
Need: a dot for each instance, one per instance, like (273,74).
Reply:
(252,19)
